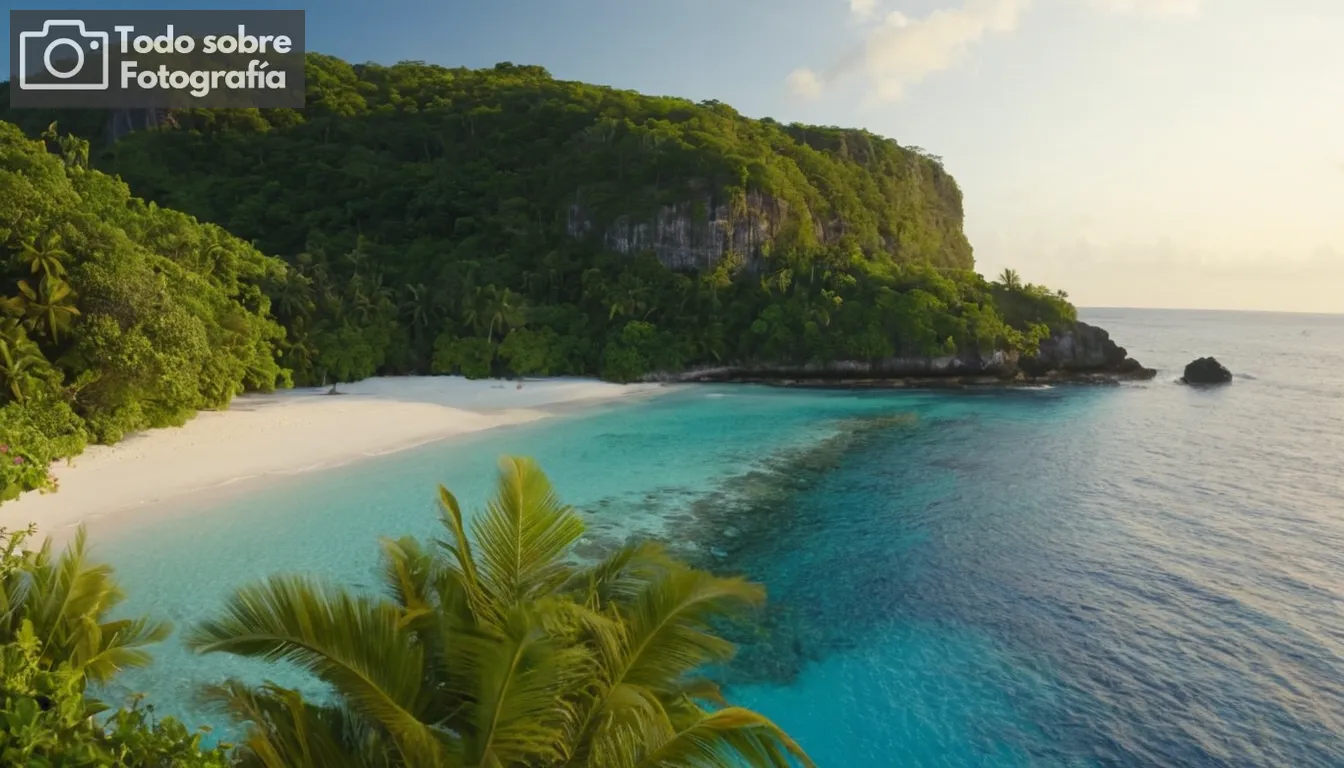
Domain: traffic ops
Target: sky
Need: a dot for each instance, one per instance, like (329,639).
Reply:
(1142,153)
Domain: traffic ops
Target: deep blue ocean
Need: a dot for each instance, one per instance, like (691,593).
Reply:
(1137,575)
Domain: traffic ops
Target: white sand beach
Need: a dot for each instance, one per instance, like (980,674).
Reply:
(290,432)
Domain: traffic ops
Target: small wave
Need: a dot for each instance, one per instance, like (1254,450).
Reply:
(230,481)
(716,394)
(301,470)
(1038,387)
(1245,376)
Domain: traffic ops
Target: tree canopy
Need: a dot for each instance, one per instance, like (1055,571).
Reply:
(116,315)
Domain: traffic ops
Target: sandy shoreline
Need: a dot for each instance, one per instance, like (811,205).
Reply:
(288,433)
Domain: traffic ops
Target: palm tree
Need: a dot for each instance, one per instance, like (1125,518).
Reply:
(66,600)
(19,358)
(293,295)
(44,256)
(494,649)
(1010,280)
(491,306)
(48,308)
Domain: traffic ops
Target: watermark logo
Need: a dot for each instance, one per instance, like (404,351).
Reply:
(210,59)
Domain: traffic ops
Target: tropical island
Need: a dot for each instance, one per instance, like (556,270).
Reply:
(417,221)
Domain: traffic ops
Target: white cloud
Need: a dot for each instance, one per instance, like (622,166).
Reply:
(903,51)
(1152,7)
(863,9)
(899,51)
(805,83)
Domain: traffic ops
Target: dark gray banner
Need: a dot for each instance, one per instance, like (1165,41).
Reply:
(182,59)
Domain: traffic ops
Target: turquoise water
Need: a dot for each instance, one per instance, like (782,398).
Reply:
(1135,575)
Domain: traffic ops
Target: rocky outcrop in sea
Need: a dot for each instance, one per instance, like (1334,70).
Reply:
(1206,370)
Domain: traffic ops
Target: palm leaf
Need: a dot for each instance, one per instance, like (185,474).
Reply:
(664,637)
(670,625)
(524,536)
(284,731)
(522,678)
(461,566)
(727,737)
(357,644)
(619,578)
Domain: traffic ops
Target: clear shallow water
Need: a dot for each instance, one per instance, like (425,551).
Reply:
(1136,575)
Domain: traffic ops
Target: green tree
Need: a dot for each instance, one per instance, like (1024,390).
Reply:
(68,601)
(1010,280)
(491,648)
(21,362)
(54,640)
(44,256)
(49,308)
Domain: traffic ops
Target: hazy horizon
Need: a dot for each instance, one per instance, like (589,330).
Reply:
(1135,153)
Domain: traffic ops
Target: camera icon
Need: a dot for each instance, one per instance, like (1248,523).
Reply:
(73,58)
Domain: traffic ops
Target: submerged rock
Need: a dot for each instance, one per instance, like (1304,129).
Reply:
(1206,370)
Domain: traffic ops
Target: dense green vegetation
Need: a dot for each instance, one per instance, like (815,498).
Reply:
(487,648)
(56,638)
(426,213)
(115,315)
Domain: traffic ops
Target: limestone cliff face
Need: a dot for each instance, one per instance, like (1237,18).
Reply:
(697,234)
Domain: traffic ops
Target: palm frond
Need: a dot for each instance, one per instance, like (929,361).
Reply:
(357,644)
(670,625)
(635,721)
(525,535)
(662,639)
(111,647)
(461,564)
(409,574)
(284,731)
(619,578)
(519,712)
(728,737)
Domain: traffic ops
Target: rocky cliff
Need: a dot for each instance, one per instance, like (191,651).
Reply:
(1084,353)
(695,235)
(1083,349)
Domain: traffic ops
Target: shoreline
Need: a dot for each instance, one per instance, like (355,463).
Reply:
(288,433)
(937,383)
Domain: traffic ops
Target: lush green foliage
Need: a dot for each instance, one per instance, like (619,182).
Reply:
(429,216)
(115,315)
(489,647)
(55,638)
(494,649)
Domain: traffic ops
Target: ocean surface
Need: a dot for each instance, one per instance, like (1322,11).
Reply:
(1138,575)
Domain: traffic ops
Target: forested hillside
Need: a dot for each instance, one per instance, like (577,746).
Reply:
(482,222)
(478,221)
(115,315)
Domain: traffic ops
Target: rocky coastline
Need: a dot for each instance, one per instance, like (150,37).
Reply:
(1082,354)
